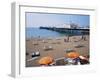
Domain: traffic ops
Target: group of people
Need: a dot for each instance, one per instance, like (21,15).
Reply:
(81,60)
(68,38)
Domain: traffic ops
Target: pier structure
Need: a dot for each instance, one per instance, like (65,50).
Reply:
(64,30)
(72,28)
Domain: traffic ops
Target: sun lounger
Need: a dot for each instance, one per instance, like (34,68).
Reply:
(50,47)
(35,54)
(46,48)
(35,43)
(53,42)
(69,50)
(32,59)
(58,42)
(60,61)
(44,41)
(79,46)
(58,39)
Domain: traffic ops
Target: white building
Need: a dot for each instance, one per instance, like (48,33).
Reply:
(72,25)
(64,26)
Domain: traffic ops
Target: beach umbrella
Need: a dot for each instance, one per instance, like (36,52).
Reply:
(73,54)
(46,60)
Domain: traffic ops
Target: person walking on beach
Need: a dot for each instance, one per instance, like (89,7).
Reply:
(65,40)
(68,38)
(83,37)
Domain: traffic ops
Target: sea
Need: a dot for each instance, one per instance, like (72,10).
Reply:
(32,32)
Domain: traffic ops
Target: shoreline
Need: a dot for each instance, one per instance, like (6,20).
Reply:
(53,37)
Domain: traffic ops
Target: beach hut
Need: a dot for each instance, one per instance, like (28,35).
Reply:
(46,60)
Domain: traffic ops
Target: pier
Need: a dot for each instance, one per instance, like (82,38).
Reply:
(63,30)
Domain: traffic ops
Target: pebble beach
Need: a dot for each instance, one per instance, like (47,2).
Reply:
(58,47)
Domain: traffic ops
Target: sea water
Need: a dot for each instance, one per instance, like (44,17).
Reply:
(32,32)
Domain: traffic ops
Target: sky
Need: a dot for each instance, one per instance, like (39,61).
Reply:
(47,19)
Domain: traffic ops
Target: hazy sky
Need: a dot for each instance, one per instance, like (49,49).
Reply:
(44,19)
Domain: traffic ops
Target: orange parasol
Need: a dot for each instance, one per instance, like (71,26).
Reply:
(73,54)
(46,60)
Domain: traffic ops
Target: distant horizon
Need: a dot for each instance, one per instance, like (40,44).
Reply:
(36,20)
